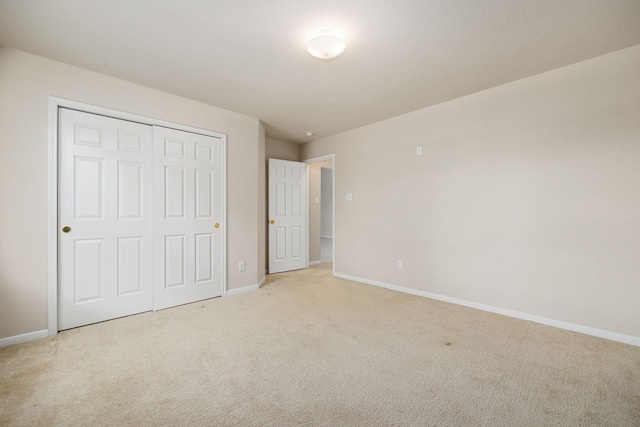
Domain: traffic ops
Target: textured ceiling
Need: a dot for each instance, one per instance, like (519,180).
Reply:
(249,55)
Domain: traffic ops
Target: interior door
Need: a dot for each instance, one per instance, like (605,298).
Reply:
(287,215)
(188,229)
(105,224)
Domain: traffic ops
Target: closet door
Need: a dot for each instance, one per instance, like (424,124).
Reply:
(188,225)
(104,218)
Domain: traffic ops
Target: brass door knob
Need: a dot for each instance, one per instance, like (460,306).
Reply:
(273,221)
(66,229)
(217,225)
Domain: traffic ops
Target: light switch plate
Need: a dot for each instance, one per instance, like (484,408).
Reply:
(418,151)
(349,197)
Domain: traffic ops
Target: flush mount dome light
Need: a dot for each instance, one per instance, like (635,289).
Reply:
(326,45)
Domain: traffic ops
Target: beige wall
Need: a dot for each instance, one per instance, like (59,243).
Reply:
(527,196)
(262,203)
(314,209)
(282,150)
(26,81)
(275,149)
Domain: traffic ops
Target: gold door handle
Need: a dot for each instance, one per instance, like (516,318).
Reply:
(66,229)
(273,221)
(217,225)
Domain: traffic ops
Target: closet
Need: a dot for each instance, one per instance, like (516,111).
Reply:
(139,217)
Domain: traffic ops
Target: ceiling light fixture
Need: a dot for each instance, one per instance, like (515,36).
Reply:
(326,45)
(309,133)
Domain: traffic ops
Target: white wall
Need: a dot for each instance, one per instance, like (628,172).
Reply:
(527,196)
(26,82)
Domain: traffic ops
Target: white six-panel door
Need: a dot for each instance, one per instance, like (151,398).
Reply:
(139,212)
(287,215)
(187,217)
(104,219)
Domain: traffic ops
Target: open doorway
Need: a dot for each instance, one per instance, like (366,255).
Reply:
(321,210)
(326,214)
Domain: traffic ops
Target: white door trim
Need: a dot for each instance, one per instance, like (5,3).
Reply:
(331,157)
(56,103)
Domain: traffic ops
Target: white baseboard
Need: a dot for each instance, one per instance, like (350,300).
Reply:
(613,336)
(314,262)
(19,339)
(261,282)
(246,288)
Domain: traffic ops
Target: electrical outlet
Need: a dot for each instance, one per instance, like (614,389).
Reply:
(242,266)
(418,151)
(349,197)
(399,265)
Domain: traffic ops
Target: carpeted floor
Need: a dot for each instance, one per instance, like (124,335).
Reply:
(310,349)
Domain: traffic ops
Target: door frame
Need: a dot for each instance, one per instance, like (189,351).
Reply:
(53,147)
(331,157)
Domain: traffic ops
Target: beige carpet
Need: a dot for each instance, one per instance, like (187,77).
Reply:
(309,349)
